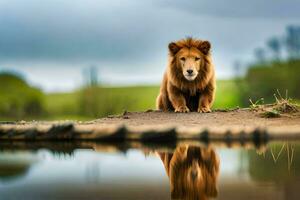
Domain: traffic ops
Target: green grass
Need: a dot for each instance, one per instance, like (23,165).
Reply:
(227,94)
(67,105)
(105,101)
(137,98)
(62,106)
(61,103)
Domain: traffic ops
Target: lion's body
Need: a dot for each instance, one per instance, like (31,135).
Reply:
(177,93)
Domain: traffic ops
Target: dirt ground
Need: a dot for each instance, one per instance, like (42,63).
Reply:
(149,124)
(239,118)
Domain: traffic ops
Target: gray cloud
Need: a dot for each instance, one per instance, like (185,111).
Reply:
(123,30)
(238,8)
(70,30)
(125,35)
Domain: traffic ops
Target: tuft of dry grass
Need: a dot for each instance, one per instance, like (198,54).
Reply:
(284,105)
(281,106)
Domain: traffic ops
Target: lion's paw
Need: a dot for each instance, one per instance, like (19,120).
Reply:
(182,109)
(204,110)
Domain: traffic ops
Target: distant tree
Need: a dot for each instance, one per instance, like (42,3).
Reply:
(237,68)
(91,75)
(292,41)
(260,55)
(275,46)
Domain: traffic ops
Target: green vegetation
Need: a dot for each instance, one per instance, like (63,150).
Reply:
(18,99)
(227,94)
(277,68)
(60,106)
(94,102)
(103,101)
(262,81)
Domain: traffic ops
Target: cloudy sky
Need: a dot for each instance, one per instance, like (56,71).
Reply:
(51,42)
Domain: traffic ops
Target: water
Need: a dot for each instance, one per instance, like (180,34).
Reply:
(137,171)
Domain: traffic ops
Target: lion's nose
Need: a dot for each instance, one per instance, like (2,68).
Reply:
(189,71)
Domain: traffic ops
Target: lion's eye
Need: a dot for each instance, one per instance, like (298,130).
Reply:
(197,58)
(182,58)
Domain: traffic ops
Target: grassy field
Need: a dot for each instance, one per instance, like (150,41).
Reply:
(98,102)
(104,101)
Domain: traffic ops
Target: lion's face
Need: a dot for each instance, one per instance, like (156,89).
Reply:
(190,62)
(190,59)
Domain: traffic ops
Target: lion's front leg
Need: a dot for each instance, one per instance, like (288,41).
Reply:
(204,106)
(177,99)
(206,99)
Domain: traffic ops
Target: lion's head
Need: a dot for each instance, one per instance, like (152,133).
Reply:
(189,56)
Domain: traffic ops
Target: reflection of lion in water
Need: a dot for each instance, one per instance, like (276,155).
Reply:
(192,172)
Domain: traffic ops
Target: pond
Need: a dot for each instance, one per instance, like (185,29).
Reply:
(138,171)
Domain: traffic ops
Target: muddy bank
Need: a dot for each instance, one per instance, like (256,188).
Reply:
(156,126)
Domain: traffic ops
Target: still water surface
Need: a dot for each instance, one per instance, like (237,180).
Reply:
(182,172)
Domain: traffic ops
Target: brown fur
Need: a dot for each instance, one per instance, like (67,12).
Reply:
(192,171)
(179,94)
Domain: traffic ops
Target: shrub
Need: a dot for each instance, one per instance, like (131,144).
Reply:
(262,81)
(17,98)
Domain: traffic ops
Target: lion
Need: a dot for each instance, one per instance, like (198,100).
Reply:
(189,81)
(192,171)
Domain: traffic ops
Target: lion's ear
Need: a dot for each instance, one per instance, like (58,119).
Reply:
(204,47)
(173,48)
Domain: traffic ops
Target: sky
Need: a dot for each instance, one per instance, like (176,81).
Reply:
(53,42)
